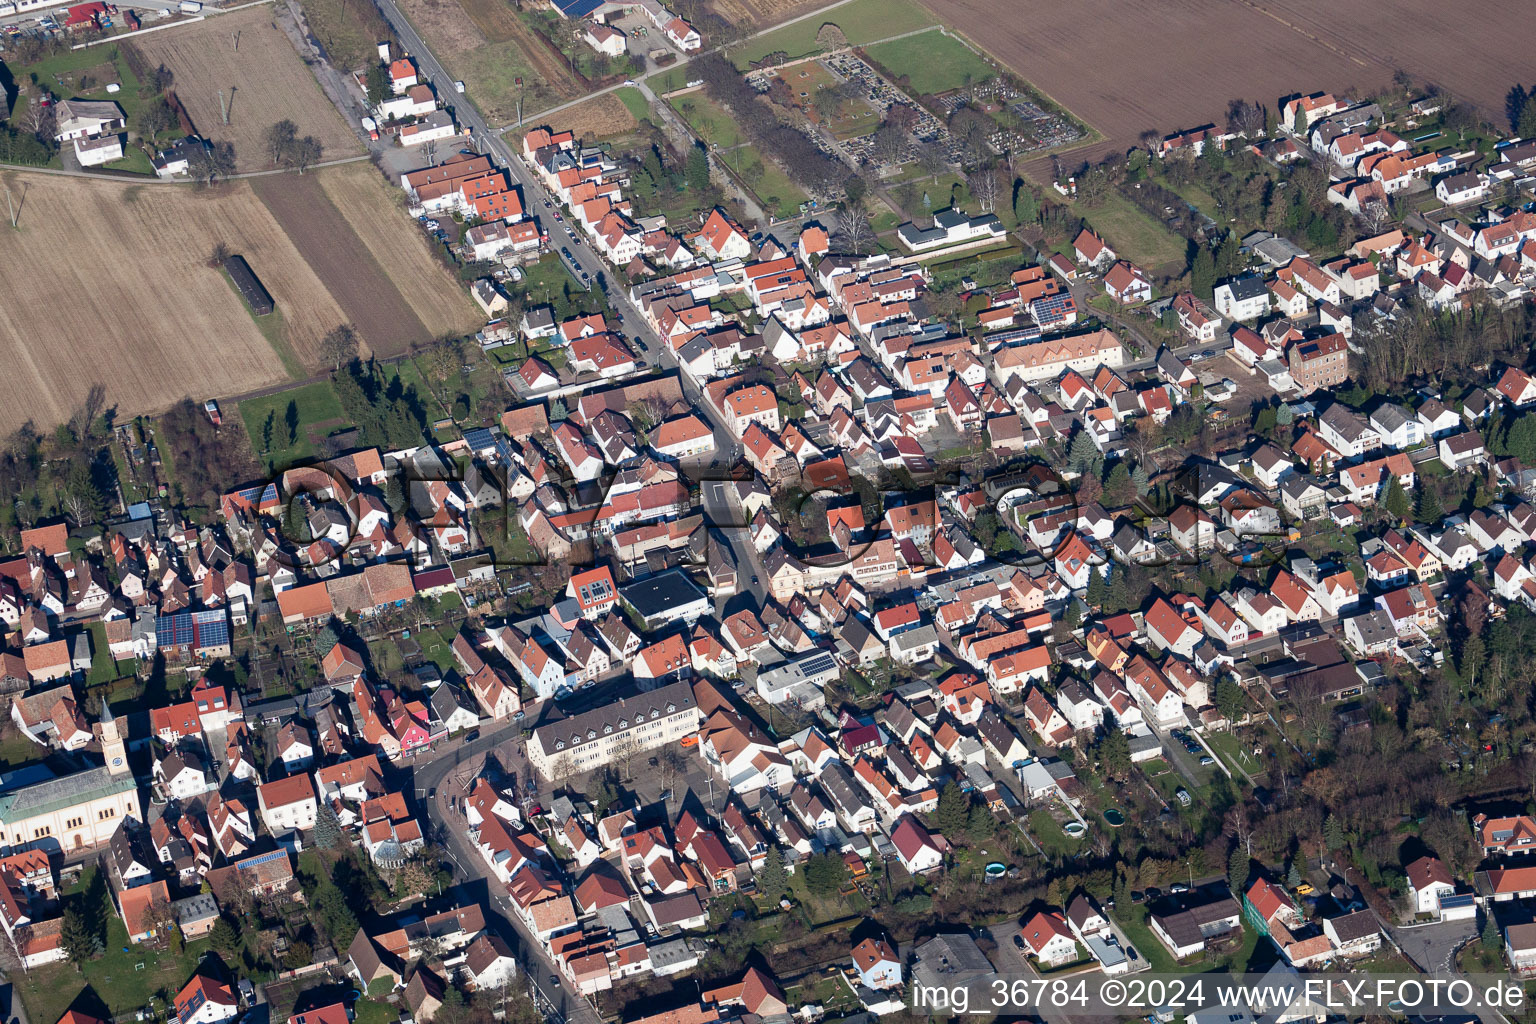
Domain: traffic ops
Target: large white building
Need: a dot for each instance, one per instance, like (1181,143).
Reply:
(588,740)
(70,812)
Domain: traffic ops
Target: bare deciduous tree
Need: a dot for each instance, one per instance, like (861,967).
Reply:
(209,163)
(1375,216)
(986,184)
(853,228)
(624,753)
(39,117)
(1244,117)
(278,137)
(339,344)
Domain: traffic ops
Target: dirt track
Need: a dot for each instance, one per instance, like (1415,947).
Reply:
(1125,68)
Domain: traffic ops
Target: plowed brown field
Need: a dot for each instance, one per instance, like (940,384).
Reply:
(342,261)
(1128,67)
(109,283)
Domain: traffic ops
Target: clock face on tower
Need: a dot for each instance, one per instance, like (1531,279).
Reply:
(117,760)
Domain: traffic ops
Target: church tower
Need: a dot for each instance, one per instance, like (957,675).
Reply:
(111,742)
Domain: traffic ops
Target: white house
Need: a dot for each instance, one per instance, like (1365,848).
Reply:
(1462,187)
(606,39)
(1048,938)
(87,119)
(288,805)
(915,846)
(1242,298)
(876,964)
(1397,427)
(1428,882)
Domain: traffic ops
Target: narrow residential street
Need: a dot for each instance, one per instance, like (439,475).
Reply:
(559,999)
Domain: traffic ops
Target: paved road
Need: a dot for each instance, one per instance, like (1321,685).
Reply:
(583,256)
(560,1002)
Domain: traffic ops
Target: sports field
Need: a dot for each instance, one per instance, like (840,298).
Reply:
(932,62)
(862,21)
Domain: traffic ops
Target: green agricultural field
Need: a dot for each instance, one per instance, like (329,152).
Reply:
(634,101)
(933,62)
(1134,234)
(862,21)
(293,412)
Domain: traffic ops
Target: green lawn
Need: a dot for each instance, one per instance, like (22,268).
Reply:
(862,21)
(124,980)
(16,750)
(63,74)
(548,281)
(374,1011)
(634,101)
(709,120)
(103,668)
(1134,234)
(1133,921)
(780,196)
(1235,751)
(933,62)
(1048,833)
(300,407)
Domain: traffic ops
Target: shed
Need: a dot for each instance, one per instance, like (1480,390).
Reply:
(256,295)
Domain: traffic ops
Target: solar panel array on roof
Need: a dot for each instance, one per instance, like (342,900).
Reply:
(479,439)
(1052,307)
(816,665)
(174,630)
(192,629)
(577,8)
(211,628)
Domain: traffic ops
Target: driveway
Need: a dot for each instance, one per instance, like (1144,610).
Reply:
(1433,946)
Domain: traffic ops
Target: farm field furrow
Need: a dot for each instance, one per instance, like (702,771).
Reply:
(324,238)
(262,78)
(109,283)
(379,219)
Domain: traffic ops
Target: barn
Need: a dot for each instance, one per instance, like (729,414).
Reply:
(245,279)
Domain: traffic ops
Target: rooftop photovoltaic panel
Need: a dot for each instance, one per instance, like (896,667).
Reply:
(210,628)
(820,663)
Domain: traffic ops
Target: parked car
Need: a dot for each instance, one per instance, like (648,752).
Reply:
(1207,761)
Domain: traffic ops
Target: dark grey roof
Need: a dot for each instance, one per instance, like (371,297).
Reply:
(1359,925)
(625,713)
(659,594)
(1249,287)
